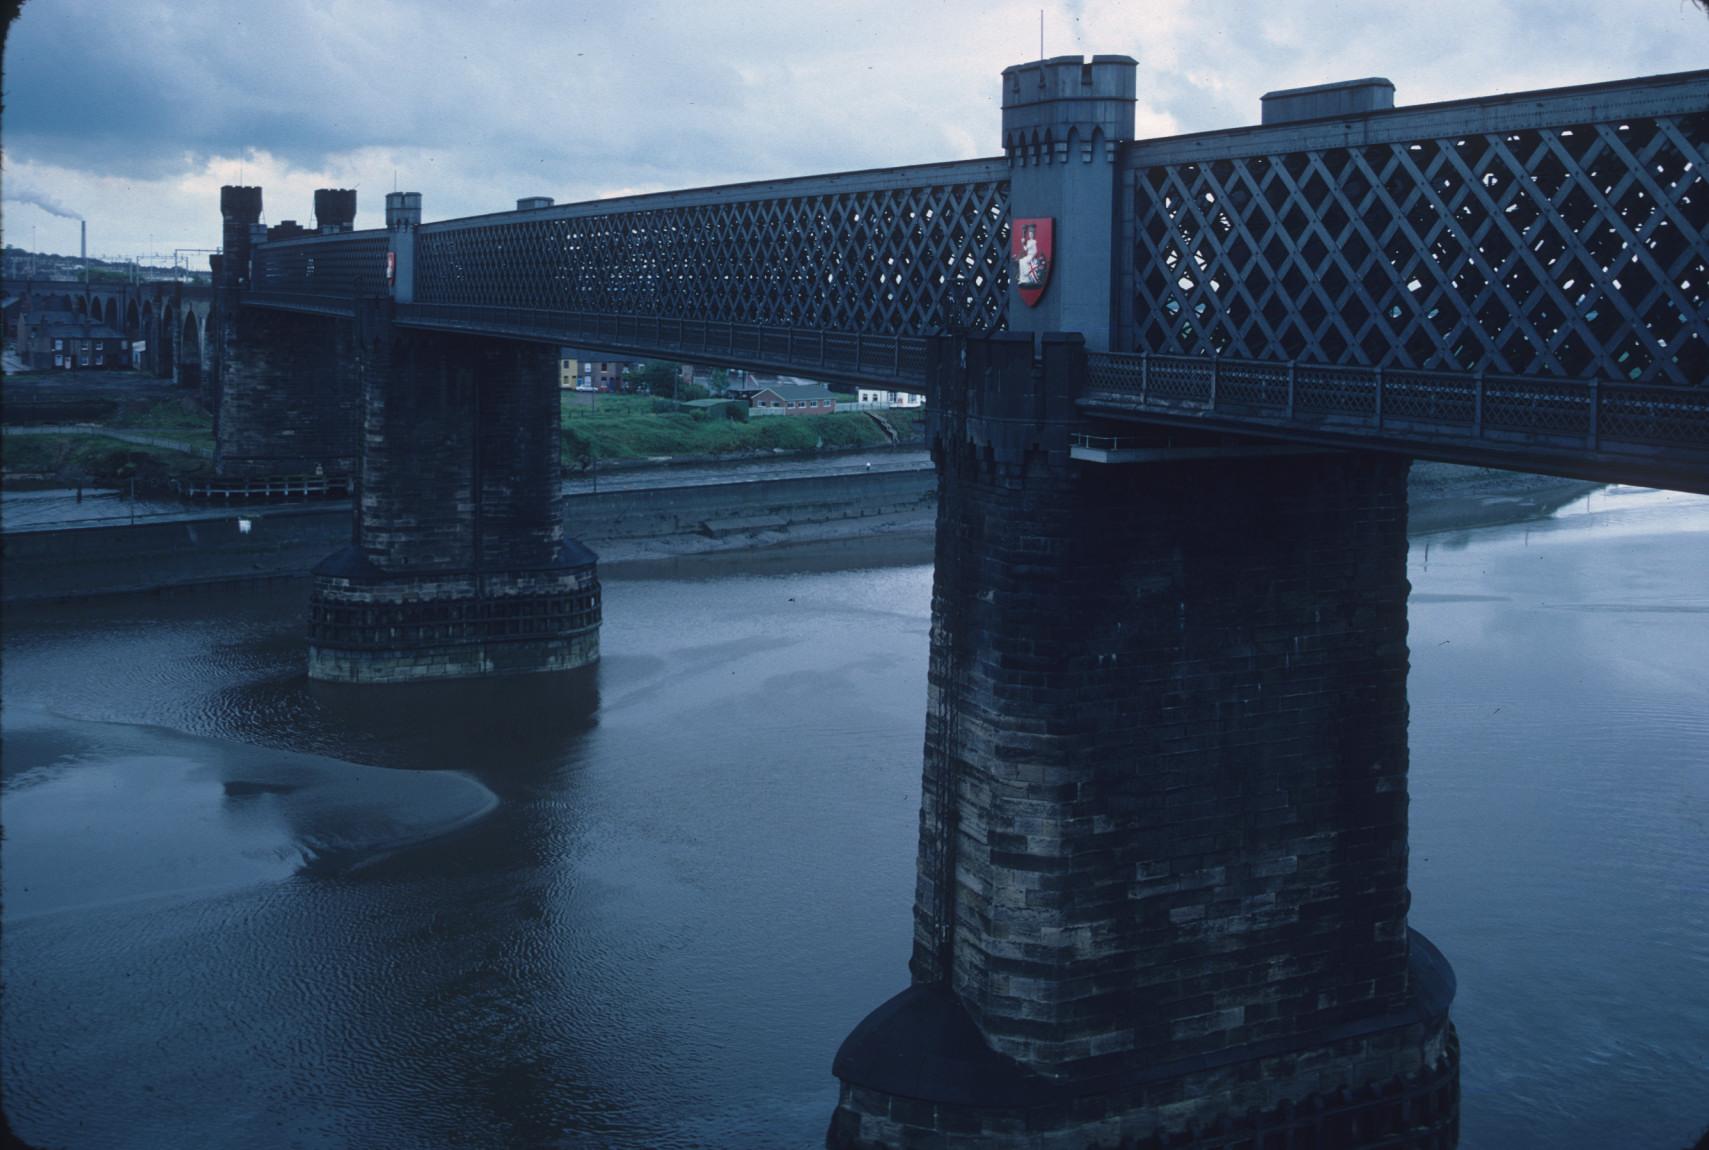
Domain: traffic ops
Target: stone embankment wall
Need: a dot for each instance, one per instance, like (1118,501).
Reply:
(289,540)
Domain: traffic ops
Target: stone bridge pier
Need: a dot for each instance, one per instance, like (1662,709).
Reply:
(285,389)
(459,565)
(1162,879)
(287,396)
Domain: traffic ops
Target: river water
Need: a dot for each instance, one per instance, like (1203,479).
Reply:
(641,906)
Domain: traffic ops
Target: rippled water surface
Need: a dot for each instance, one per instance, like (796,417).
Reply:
(641,906)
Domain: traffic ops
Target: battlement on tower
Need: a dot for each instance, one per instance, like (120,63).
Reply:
(403,210)
(1068,107)
(335,210)
(240,203)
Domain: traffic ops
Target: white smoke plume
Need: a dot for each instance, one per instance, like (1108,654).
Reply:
(28,195)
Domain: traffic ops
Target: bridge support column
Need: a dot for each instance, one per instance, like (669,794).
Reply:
(459,566)
(284,385)
(288,396)
(1162,871)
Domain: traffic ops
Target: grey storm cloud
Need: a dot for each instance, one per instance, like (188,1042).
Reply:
(479,101)
(133,89)
(137,90)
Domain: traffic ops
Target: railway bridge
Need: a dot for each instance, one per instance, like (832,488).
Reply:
(1175,386)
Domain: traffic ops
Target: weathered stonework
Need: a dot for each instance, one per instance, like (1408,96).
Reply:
(1163,818)
(288,396)
(283,386)
(459,564)
(365,627)
(1394,1088)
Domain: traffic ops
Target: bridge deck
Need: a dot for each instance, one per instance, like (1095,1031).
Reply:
(1461,281)
(896,362)
(1612,432)
(893,361)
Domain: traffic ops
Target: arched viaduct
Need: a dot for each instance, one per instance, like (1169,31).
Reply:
(169,317)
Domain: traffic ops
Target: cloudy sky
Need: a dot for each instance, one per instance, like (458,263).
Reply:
(133,113)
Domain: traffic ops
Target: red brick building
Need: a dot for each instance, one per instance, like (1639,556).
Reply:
(793,397)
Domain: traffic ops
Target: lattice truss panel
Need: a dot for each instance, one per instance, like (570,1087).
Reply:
(324,266)
(893,261)
(1575,251)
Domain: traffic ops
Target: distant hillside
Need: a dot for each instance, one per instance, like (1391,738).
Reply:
(20,264)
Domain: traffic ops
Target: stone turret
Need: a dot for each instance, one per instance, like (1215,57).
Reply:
(403,216)
(1065,108)
(403,210)
(240,209)
(1065,121)
(335,210)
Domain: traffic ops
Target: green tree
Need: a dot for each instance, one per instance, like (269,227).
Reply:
(657,377)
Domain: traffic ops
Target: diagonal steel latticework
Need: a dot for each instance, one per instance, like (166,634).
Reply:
(1556,234)
(1519,279)
(896,252)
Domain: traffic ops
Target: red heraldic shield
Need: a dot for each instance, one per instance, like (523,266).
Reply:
(1030,247)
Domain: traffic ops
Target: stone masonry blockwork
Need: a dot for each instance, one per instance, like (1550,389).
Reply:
(459,565)
(287,396)
(1173,701)
(1164,805)
(460,467)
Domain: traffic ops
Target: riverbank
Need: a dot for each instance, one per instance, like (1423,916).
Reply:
(1449,497)
(120,428)
(167,549)
(602,430)
(666,517)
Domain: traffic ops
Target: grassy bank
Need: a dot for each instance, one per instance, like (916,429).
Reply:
(615,427)
(182,435)
(606,427)
(95,459)
(182,420)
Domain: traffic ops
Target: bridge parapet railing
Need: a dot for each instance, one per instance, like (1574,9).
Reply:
(1587,414)
(1320,389)
(1558,233)
(1665,415)
(810,351)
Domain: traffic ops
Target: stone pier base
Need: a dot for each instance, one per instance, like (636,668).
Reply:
(367,626)
(917,1074)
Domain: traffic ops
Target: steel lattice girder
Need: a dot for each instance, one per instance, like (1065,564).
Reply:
(901,252)
(1574,243)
